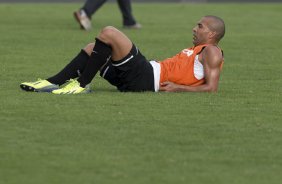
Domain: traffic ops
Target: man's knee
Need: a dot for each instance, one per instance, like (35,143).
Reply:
(107,34)
(89,48)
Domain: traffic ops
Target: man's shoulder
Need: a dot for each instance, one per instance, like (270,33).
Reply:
(212,54)
(210,47)
(212,50)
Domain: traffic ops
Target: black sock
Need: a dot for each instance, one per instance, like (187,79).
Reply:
(72,70)
(100,55)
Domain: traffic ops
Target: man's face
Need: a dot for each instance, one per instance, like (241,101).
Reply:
(201,32)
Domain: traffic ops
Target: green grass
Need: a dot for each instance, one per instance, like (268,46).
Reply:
(233,136)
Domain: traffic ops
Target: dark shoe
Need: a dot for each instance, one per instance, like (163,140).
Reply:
(134,26)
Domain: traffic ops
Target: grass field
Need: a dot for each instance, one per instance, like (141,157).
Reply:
(231,137)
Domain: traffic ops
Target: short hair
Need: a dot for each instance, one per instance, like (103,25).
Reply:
(217,25)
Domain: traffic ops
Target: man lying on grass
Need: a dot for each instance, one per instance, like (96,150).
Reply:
(195,69)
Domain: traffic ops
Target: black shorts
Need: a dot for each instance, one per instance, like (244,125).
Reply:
(133,73)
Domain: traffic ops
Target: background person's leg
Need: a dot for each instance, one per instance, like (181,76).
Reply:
(91,6)
(127,16)
(83,15)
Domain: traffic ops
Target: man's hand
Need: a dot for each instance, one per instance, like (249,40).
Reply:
(169,87)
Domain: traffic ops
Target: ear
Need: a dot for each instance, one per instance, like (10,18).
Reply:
(212,34)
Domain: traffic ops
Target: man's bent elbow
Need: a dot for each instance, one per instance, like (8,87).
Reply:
(211,89)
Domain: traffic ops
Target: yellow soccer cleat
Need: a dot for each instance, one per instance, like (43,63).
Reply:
(39,86)
(73,87)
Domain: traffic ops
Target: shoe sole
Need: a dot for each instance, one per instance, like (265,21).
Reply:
(83,92)
(31,89)
(28,88)
(135,26)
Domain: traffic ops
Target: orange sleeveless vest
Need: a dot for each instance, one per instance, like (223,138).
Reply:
(180,68)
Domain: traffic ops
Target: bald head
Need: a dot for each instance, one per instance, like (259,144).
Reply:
(217,25)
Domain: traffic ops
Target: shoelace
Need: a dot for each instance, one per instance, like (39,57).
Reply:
(38,81)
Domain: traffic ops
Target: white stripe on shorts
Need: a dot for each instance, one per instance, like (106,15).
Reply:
(123,61)
(157,74)
(105,71)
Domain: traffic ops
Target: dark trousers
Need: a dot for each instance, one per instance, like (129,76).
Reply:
(91,6)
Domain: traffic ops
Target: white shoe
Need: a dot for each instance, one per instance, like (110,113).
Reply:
(83,20)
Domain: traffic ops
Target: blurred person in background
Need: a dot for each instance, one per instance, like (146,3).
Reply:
(84,14)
